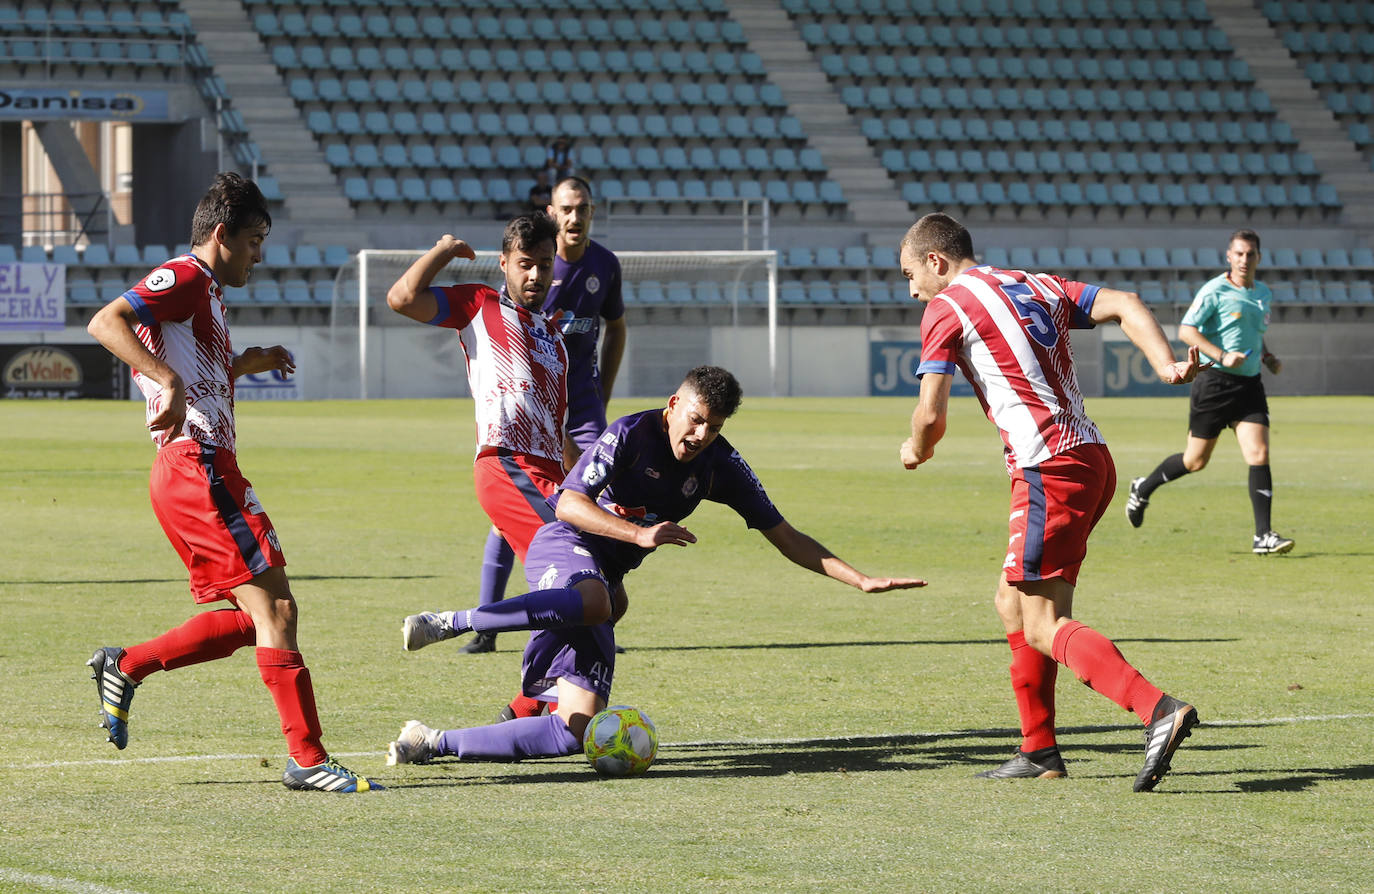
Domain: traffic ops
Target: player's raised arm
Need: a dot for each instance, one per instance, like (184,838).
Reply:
(410,294)
(582,512)
(807,552)
(1141,327)
(928,419)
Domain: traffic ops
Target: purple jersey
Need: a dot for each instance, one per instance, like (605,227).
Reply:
(632,472)
(588,291)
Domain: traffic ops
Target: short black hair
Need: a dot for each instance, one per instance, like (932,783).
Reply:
(1247,235)
(576,183)
(717,388)
(232,200)
(528,230)
(939,232)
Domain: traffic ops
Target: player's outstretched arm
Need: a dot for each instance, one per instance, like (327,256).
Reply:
(927,420)
(807,552)
(261,360)
(582,512)
(1141,327)
(113,327)
(410,295)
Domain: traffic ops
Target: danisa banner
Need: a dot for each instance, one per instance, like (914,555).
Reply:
(65,102)
(33,297)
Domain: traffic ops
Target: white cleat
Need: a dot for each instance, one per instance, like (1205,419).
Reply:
(424,629)
(417,744)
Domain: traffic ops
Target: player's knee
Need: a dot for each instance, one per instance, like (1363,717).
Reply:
(1194,463)
(596,608)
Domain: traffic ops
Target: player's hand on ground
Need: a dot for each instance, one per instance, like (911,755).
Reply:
(455,247)
(908,455)
(1181,372)
(665,533)
(884,584)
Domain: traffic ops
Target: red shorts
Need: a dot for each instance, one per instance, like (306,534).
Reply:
(511,488)
(1054,507)
(213,518)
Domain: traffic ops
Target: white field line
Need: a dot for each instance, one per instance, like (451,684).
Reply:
(801,740)
(53,883)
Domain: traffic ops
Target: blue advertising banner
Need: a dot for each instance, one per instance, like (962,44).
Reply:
(66,102)
(33,297)
(892,370)
(1126,372)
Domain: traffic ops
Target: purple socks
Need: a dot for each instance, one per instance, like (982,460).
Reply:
(543,736)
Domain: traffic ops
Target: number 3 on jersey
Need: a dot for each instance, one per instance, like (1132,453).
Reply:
(1034,315)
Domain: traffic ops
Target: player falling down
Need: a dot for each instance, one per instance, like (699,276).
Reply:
(170,329)
(1007,330)
(624,498)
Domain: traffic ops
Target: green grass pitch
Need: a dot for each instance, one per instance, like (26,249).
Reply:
(813,737)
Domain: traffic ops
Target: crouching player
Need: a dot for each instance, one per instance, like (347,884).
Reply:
(624,498)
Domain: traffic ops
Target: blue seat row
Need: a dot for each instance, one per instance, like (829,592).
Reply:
(1059,130)
(1149,38)
(1099,10)
(1120,195)
(1089,70)
(1058,99)
(96,255)
(1125,163)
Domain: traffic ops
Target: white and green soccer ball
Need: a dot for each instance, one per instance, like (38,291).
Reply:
(620,741)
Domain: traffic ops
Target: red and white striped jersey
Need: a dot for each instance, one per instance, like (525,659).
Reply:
(180,308)
(517,369)
(1008,330)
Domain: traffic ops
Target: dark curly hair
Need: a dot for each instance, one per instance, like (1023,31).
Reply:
(528,230)
(232,200)
(717,388)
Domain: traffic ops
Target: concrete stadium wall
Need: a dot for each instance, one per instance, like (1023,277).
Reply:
(1325,357)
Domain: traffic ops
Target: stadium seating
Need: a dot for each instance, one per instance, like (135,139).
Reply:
(1143,87)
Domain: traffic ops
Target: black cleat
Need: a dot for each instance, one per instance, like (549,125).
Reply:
(116,691)
(1271,543)
(1135,504)
(1043,763)
(482,642)
(507,713)
(1171,723)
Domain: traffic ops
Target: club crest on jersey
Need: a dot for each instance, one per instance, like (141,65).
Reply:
(689,486)
(250,502)
(160,280)
(549,577)
(593,284)
(652,473)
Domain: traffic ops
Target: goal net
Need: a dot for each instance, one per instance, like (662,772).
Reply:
(375,352)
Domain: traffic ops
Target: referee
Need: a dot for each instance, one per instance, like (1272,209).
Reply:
(1227,321)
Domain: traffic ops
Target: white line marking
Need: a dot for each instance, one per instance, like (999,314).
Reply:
(52,883)
(715,743)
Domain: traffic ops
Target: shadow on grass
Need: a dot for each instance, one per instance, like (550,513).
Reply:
(1306,777)
(999,641)
(873,754)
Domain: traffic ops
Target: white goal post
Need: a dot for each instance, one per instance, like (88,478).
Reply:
(718,281)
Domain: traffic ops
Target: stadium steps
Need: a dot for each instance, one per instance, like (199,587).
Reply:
(314,203)
(849,159)
(1297,102)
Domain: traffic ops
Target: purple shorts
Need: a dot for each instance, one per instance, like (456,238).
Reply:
(586,418)
(584,656)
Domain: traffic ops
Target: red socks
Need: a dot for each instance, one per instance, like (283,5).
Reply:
(205,637)
(1098,663)
(288,680)
(524,706)
(1032,680)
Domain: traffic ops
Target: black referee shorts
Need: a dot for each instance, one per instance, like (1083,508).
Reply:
(1220,400)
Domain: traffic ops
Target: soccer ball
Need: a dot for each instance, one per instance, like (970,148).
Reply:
(620,741)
